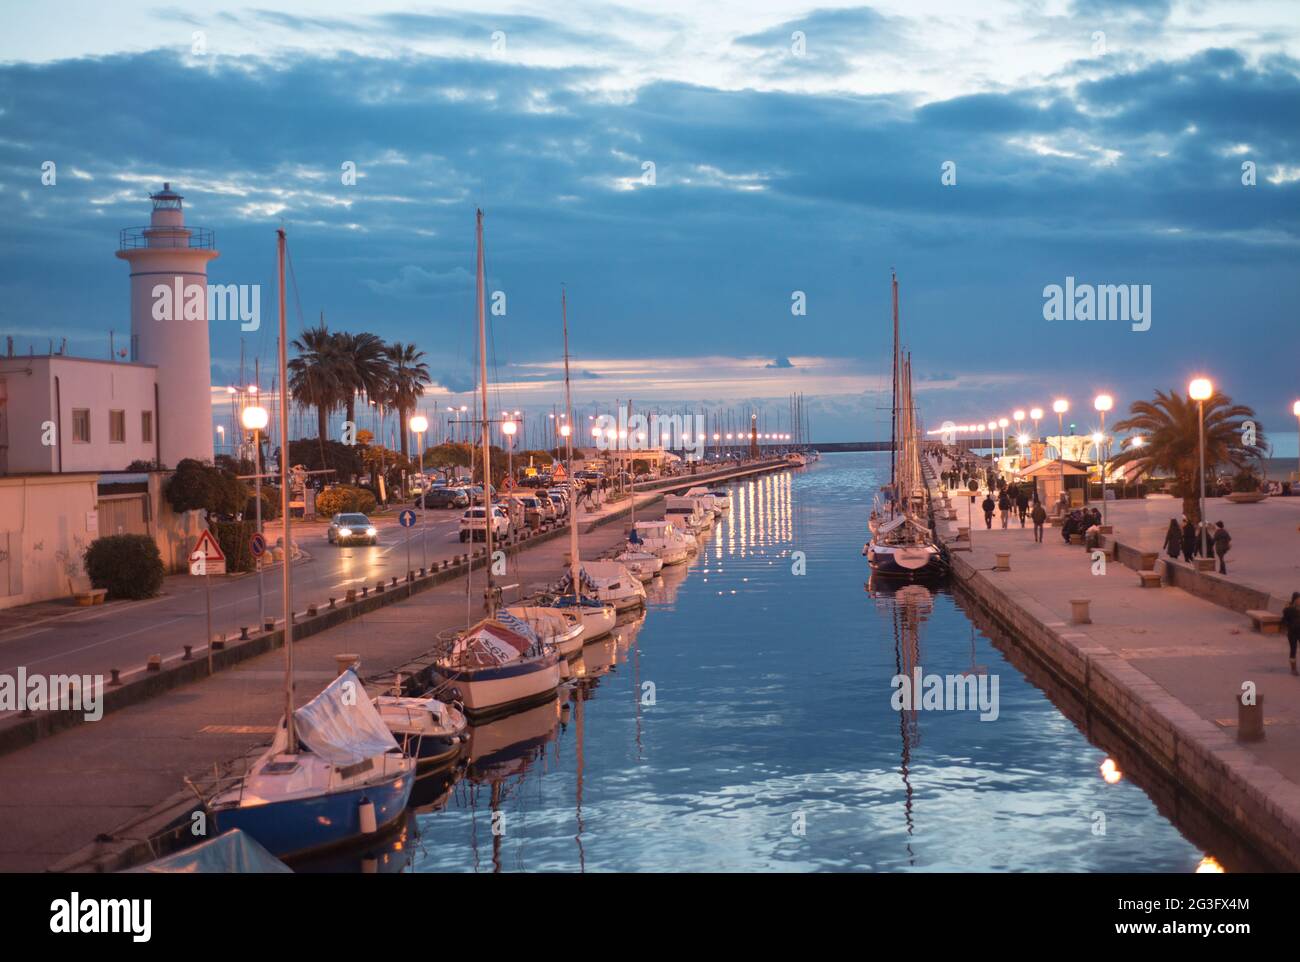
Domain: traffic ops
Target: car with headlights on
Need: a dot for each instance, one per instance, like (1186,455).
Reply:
(352,529)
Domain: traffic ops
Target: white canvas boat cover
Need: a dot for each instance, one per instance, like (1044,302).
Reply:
(893,523)
(606,574)
(341,724)
(232,851)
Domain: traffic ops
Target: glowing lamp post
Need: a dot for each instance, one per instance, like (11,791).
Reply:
(508,429)
(1199,391)
(1103,403)
(1002,423)
(255,419)
(1295,409)
(1036,415)
(1060,406)
(419,424)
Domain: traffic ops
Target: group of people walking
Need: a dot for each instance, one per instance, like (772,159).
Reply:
(1189,541)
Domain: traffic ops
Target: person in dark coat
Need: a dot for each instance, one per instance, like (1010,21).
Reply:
(1039,515)
(1004,508)
(1222,544)
(1291,622)
(1173,539)
(1022,505)
(1189,540)
(988,505)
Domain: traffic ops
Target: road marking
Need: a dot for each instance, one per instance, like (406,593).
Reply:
(39,631)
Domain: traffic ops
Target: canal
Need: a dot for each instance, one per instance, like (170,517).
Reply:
(744,723)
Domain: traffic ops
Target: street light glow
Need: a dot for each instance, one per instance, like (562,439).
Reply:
(419,423)
(1036,414)
(254,417)
(509,428)
(1060,405)
(1103,402)
(1200,389)
(1019,415)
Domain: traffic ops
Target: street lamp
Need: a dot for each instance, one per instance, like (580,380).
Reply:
(419,424)
(1103,403)
(1018,415)
(508,429)
(255,419)
(1002,423)
(1060,406)
(1199,391)
(1036,415)
(1295,409)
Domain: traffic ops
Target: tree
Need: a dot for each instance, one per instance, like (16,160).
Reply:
(408,375)
(317,374)
(1170,430)
(364,365)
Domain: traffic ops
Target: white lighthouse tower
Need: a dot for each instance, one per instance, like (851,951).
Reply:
(169,323)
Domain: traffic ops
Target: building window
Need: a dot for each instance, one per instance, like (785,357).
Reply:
(117,427)
(81,425)
(146,427)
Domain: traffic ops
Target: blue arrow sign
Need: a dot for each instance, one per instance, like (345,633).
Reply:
(406,519)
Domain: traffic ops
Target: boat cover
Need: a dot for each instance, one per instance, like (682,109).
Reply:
(605,574)
(341,724)
(232,851)
(492,643)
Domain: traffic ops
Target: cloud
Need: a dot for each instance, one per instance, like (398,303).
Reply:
(779,362)
(413,280)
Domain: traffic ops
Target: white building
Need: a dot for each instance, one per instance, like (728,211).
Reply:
(60,414)
(66,421)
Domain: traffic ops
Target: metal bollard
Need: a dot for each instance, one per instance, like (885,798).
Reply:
(189,653)
(243,633)
(154,663)
(116,678)
(351,596)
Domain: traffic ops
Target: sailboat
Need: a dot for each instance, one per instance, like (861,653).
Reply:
(499,664)
(901,545)
(596,616)
(333,772)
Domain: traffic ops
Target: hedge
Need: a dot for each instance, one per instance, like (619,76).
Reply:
(234,538)
(128,565)
(344,497)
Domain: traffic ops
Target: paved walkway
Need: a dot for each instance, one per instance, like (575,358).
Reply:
(1196,653)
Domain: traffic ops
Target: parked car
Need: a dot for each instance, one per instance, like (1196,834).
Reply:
(561,498)
(443,497)
(352,529)
(549,511)
(473,524)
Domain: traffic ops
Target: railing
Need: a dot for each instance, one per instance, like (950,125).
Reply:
(191,238)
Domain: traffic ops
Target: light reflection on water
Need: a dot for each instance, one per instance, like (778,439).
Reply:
(748,700)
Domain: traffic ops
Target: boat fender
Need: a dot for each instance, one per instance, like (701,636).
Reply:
(366,810)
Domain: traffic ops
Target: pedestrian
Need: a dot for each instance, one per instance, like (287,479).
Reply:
(1004,508)
(1038,516)
(1291,621)
(1173,539)
(1022,505)
(1222,545)
(1189,539)
(989,504)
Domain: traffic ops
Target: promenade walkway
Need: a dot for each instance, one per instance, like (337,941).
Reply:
(1189,656)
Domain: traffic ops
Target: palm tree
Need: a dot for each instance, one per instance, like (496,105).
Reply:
(364,366)
(314,376)
(1170,429)
(408,375)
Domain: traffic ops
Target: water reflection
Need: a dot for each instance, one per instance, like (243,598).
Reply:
(752,697)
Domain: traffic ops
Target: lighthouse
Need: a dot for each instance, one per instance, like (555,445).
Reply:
(169,323)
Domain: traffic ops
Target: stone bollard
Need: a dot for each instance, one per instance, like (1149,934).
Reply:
(189,653)
(379,588)
(421,572)
(1003,561)
(1250,719)
(243,633)
(351,596)
(116,678)
(963,533)
(268,625)
(1079,611)
(1205,564)
(331,602)
(394,584)
(1147,560)
(365,590)
(311,611)
(346,661)
(154,663)
(218,642)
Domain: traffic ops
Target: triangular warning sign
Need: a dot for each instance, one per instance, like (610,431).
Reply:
(207,544)
(559,473)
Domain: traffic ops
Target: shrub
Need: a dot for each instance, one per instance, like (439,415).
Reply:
(344,497)
(270,504)
(1246,480)
(234,538)
(128,565)
(197,486)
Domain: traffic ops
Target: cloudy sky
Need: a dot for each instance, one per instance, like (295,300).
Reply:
(793,149)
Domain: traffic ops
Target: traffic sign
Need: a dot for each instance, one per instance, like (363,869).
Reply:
(207,558)
(560,474)
(257,544)
(406,519)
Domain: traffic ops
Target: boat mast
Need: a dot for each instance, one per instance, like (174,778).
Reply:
(292,748)
(487,448)
(893,427)
(574,564)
